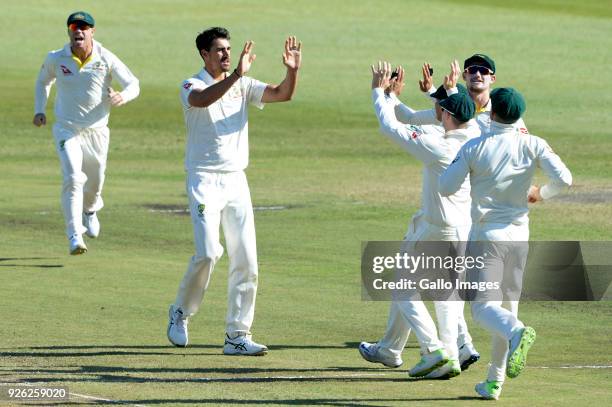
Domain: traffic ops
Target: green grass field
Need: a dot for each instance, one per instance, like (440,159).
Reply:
(97,323)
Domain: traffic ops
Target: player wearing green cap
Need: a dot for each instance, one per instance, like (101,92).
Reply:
(82,71)
(440,219)
(479,74)
(387,351)
(501,165)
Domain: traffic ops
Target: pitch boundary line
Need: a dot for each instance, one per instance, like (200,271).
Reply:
(87,397)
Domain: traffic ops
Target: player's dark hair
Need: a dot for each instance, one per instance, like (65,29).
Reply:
(205,39)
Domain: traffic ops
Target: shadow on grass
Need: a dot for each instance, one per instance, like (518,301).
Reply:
(3,259)
(357,402)
(346,345)
(144,350)
(85,370)
(95,354)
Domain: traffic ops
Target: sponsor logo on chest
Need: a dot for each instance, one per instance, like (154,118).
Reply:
(235,92)
(98,66)
(65,70)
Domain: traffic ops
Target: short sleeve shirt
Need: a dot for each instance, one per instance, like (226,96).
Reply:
(217,135)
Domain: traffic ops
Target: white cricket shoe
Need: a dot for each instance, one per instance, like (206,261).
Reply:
(243,345)
(446,371)
(490,390)
(177,327)
(372,353)
(429,362)
(468,355)
(77,245)
(92,224)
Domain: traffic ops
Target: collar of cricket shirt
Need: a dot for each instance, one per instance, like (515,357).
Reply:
(95,50)
(459,134)
(485,108)
(207,78)
(501,126)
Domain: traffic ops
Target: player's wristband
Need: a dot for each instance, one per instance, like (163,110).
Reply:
(236,72)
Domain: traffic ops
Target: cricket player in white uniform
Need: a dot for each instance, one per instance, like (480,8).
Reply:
(440,219)
(501,165)
(215,104)
(397,329)
(83,71)
(479,74)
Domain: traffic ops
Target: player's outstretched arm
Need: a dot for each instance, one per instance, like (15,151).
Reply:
(404,113)
(208,96)
(413,139)
(452,178)
(292,59)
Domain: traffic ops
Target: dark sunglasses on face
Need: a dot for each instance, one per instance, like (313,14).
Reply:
(79,26)
(477,68)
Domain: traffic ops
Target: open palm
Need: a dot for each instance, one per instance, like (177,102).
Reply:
(292,57)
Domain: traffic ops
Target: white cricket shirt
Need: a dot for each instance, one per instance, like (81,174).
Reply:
(82,99)
(483,116)
(436,151)
(218,135)
(501,165)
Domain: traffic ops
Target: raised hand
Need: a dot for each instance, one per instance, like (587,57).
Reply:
(381,75)
(450,80)
(292,57)
(115,97)
(246,58)
(427,82)
(396,84)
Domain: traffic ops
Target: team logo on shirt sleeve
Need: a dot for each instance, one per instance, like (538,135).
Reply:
(414,131)
(187,85)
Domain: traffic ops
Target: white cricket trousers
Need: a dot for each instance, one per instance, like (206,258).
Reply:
(82,154)
(404,315)
(500,317)
(222,198)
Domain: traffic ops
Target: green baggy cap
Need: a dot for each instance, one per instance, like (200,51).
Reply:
(479,60)
(508,104)
(460,105)
(81,16)
(440,93)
